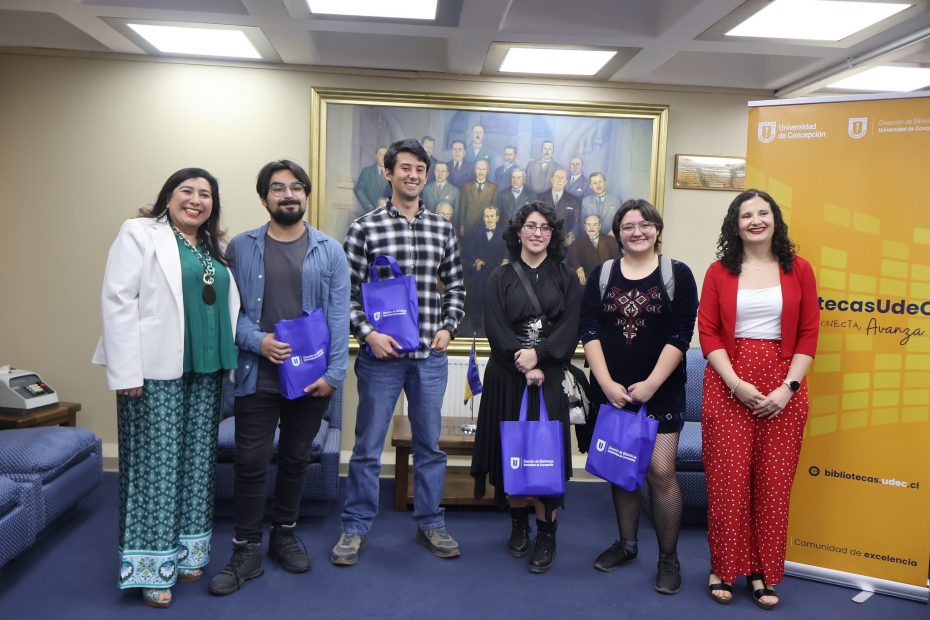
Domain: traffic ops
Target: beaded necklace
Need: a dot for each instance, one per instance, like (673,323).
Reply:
(208,293)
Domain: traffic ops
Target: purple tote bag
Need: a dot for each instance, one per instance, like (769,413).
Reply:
(391,305)
(533,454)
(308,336)
(621,446)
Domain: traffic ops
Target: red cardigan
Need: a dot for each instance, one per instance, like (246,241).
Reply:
(800,316)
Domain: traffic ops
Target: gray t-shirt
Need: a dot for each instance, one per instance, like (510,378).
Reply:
(283,296)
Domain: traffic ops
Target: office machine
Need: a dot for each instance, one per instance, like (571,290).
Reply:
(24,389)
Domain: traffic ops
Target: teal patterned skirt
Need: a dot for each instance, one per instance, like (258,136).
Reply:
(167,456)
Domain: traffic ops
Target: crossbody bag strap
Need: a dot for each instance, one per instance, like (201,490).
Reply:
(534,300)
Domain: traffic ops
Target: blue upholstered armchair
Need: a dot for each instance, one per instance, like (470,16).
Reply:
(321,485)
(44,473)
(689,465)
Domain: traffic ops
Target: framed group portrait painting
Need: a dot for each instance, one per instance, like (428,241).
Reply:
(484,152)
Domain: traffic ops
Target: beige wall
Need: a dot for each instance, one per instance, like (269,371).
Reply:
(88,141)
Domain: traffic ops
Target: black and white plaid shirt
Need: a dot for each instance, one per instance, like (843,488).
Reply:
(425,248)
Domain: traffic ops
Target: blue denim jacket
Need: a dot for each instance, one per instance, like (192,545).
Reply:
(325,284)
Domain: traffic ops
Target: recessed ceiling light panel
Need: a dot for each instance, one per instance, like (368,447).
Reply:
(554,61)
(398,9)
(815,20)
(195,41)
(886,79)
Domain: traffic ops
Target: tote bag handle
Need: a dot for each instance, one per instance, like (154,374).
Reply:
(524,405)
(383,260)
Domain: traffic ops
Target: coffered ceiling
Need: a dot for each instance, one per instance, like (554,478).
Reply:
(661,42)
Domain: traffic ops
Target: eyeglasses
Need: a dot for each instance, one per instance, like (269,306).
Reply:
(277,189)
(644,226)
(531,229)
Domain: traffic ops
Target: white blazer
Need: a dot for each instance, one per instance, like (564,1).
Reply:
(143,306)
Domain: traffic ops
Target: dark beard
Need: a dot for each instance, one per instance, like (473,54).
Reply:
(287,218)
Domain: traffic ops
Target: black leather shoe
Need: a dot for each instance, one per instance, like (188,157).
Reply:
(519,544)
(544,547)
(246,564)
(614,556)
(288,550)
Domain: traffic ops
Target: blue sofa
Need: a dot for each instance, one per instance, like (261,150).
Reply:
(44,473)
(689,464)
(321,485)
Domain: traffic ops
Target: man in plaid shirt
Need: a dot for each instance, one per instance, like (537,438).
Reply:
(425,246)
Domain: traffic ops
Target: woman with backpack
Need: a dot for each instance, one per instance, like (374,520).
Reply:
(635,329)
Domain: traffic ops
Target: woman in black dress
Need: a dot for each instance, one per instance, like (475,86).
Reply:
(635,333)
(527,349)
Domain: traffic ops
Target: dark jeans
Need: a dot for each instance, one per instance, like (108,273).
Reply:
(257,418)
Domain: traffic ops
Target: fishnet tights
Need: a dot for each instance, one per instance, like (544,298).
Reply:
(666,499)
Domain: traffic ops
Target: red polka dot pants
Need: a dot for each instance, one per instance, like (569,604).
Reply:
(750,464)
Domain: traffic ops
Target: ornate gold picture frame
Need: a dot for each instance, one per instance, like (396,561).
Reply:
(626,143)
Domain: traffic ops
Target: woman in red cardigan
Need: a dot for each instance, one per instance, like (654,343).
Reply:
(758,323)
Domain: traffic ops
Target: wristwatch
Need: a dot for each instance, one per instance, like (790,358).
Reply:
(794,386)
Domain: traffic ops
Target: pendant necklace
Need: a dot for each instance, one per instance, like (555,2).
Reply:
(208,293)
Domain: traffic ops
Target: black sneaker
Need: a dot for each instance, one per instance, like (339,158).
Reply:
(668,579)
(288,550)
(614,556)
(246,564)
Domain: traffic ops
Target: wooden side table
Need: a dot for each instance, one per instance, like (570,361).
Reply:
(459,488)
(62,414)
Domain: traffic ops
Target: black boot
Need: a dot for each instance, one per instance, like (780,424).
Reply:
(246,563)
(544,547)
(519,544)
(288,550)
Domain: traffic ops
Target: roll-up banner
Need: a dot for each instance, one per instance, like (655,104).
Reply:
(852,176)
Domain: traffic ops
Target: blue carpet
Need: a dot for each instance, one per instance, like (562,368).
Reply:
(71,573)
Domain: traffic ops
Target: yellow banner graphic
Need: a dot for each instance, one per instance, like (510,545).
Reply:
(852,179)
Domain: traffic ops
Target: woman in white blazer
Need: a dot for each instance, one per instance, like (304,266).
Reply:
(169,311)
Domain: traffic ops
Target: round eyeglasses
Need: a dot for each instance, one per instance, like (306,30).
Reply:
(277,189)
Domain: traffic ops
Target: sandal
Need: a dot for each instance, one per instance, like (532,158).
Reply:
(758,593)
(722,586)
(187,575)
(157,597)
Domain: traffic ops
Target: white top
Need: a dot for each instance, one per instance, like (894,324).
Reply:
(758,313)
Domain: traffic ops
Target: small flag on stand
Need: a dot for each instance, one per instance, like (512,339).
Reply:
(473,385)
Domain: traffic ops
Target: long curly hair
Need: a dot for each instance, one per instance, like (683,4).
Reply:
(209,232)
(730,245)
(556,248)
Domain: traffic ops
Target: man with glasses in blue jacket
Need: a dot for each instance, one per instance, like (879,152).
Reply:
(282,269)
